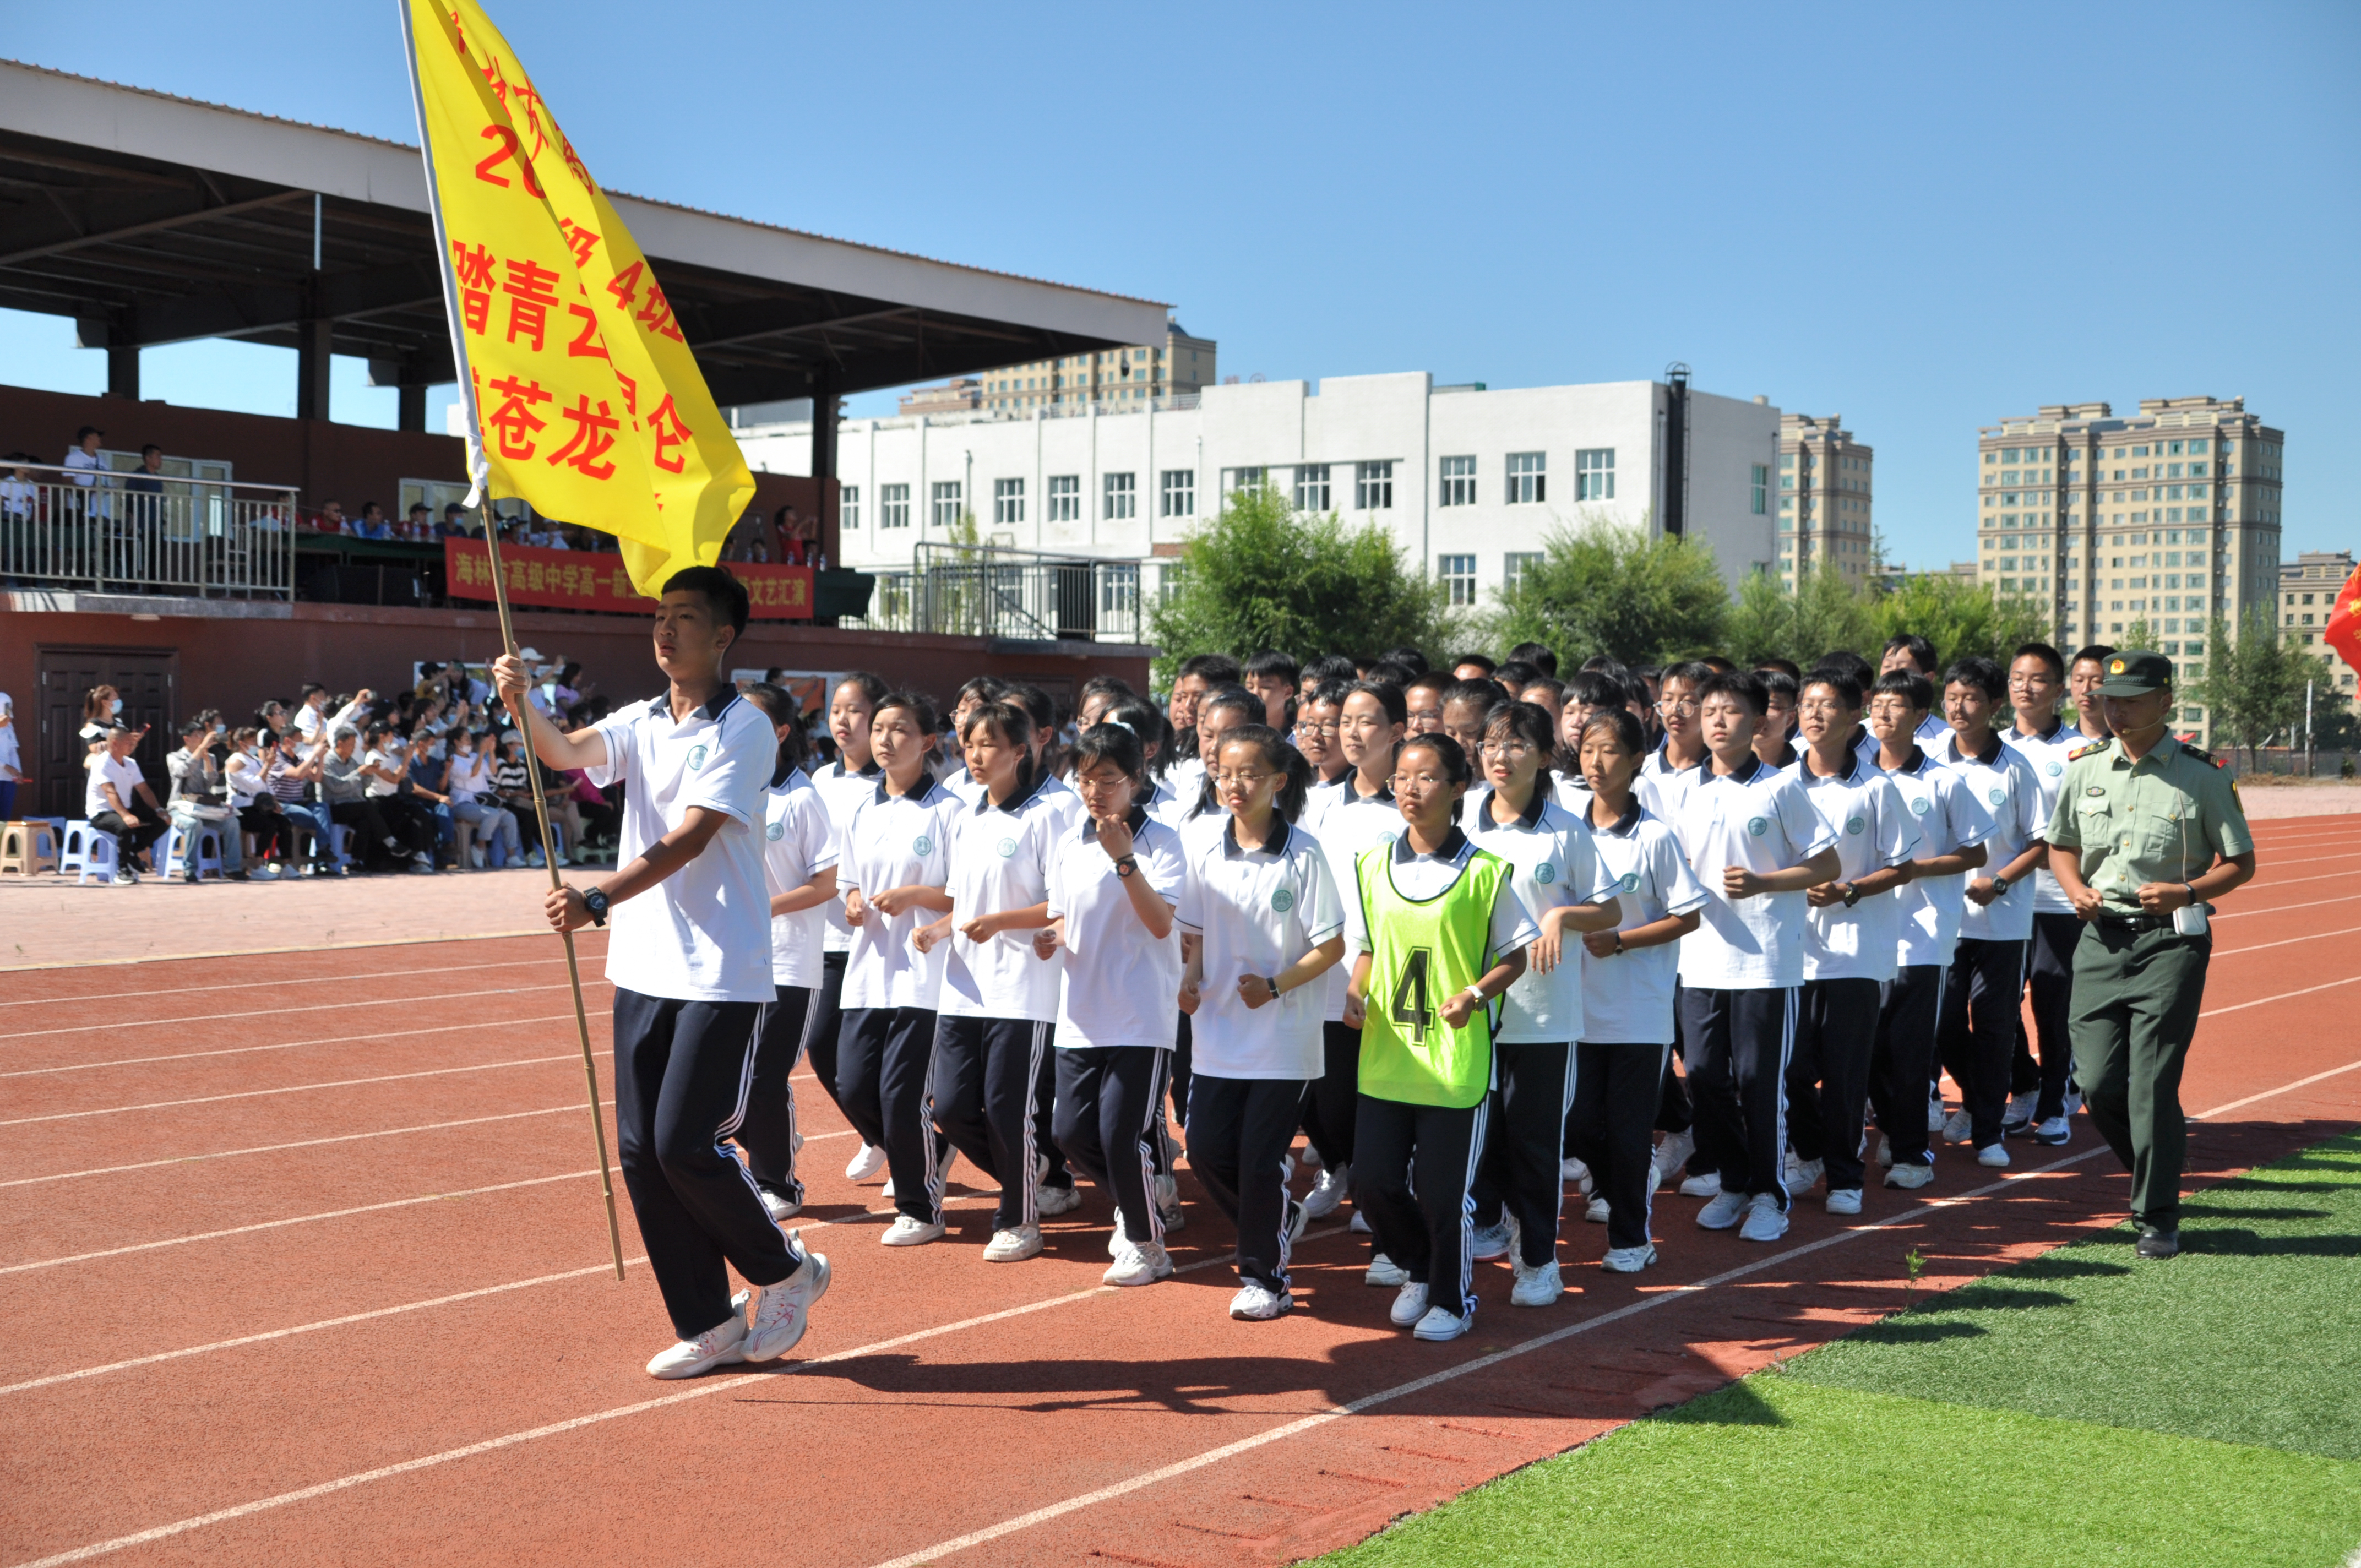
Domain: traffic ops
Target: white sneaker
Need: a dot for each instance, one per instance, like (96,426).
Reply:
(719,1345)
(1675,1151)
(780,1208)
(1935,1117)
(2053,1132)
(1409,1304)
(1537,1286)
(908,1232)
(1385,1273)
(1144,1263)
(1993,1157)
(782,1311)
(1843,1200)
(1327,1194)
(1117,1238)
(1492,1242)
(1166,1190)
(887,1191)
(1629,1259)
(1884,1151)
(1803,1175)
(1723,1210)
(1597,1211)
(1259,1304)
(868,1162)
(1910,1178)
(1050,1202)
(1766,1220)
(1706,1186)
(1310,1158)
(1360,1225)
(1572,1170)
(1957,1126)
(1299,1219)
(2018,1117)
(1439,1324)
(1012,1246)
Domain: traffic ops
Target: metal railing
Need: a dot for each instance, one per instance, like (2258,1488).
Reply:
(986,591)
(141,533)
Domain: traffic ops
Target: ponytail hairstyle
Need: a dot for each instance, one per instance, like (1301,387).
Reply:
(1529,722)
(779,706)
(1008,718)
(1144,724)
(1119,744)
(1224,699)
(871,688)
(918,706)
(1388,694)
(1446,751)
(1280,758)
(1624,723)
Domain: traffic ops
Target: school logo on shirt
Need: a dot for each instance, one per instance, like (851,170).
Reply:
(1758,825)
(1921,806)
(1856,825)
(1282,899)
(1997,797)
(922,845)
(1630,882)
(776,831)
(2053,767)
(696,758)
(1546,873)
(1006,846)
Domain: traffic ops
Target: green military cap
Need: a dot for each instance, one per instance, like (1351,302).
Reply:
(2135,674)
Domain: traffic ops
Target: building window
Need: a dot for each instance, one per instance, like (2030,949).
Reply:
(893,506)
(1528,481)
(848,506)
(1515,565)
(1762,489)
(1237,479)
(1118,591)
(1594,475)
(1458,482)
(1179,490)
(1458,575)
(947,504)
(1311,487)
(1007,501)
(1373,486)
(1122,496)
(1065,498)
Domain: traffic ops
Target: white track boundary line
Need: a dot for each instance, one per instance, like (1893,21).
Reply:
(2284,908)
(2286,942)
(281,1012)
(281,1046)
(306,1088)
(274,952)
(275,1148)
(116,999)
(1009,1527)
(2282,996)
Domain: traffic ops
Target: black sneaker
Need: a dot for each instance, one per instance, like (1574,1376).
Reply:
(2154,1243)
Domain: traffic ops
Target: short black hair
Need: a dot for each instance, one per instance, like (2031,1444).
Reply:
(1385,694)
(1538,654)
(86,432)
(1695,673)
(1743,685)
(1838,681)
(1328,693)
(1778,683)
(1846,661)
(2096,654)
(1597,688)
(1038,706)
(192,726)
(151,447)
(984,688)
(1271,661)
(1409,658)
(1787,667)
(1331,667)
(2043,651)
(1980,673)
(1922,652)
(1213,669)
(419,507)
(1516,675)
(1485,694)
(1915,688)
(1447,751)
(1437,681)
(1385,672)
(1483,662)
(723,594)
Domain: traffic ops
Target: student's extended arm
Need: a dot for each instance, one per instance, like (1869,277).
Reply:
(698,824)
(1740,882)
(584,748)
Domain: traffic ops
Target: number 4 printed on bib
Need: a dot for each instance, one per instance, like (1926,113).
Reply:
(1412,1004)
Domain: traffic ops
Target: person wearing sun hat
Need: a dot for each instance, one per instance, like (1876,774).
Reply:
(2147,830)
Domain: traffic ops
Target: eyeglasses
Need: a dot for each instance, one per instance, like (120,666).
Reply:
(1684,707)
(1243,781)
(1515,746)
(1306,727)
(1821,708)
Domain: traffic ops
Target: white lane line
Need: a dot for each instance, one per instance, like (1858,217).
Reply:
(281,1046)
(727,1382)
(281,1012)
(2283,908)
(307,1088)
(2288,941)
(2282,996)
(311,949)
(292,1219)
(115,1000)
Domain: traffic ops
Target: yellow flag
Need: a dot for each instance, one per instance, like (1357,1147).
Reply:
(584,400)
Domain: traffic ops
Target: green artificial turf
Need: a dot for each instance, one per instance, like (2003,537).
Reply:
(2080,1407)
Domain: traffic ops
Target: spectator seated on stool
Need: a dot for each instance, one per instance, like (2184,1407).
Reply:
(199,801)
(114,784)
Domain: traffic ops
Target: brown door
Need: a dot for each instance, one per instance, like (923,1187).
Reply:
(148,679)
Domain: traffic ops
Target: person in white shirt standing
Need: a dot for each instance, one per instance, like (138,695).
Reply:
(1670,772)
(1757,844)
(12,771)
(1849,943)
(2037,1091)
(1975,1032)
(690,959)
(799,872)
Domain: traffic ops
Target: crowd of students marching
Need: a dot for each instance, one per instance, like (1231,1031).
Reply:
(1453,929)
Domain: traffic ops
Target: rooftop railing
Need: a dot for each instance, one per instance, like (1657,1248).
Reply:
(139,533)
(986,591)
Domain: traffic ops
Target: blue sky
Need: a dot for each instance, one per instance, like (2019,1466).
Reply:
(1922,218)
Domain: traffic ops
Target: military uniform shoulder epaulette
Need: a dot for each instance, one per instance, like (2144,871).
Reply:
(2201,754)
(2091,749)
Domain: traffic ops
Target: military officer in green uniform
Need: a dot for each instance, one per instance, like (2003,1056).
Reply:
(2147,831)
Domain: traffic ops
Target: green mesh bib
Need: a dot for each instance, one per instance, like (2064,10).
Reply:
(1422,955)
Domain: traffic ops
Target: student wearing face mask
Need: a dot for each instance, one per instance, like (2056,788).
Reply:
(468,783)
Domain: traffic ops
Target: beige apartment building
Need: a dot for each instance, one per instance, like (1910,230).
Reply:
(1824,500)
(2308,587)
(2170,516)
(1120,380)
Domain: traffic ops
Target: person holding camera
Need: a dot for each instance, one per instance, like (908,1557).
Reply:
(199,801)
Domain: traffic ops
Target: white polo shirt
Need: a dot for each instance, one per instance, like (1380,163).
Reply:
(2048,754)
(2003,782)
(1121,986)
(123,772)
(1552,863)
(896,840)
(798,843)
(842,789)
(1949,820)
(1664,789)
(1759,819)
(1348,823)
(1628,999)
(1874,830)
(1258,911)
(1000,861)
(703,934)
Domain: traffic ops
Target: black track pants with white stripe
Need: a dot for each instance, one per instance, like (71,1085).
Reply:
(1975,1032)
(984,1090)
(768,1132)
(1518,1174)
(1903,1057)
(1239,1131)
(1615,1093)
(1738,1044)
(884,1060)
(683,1071)
(1109,1100)
(1412,1169)
(1827,1075)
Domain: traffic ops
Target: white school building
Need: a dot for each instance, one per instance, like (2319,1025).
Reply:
(1471,481)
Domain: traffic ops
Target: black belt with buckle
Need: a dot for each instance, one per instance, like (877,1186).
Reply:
(2136,922)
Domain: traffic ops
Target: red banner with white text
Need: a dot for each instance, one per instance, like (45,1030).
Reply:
(582,580)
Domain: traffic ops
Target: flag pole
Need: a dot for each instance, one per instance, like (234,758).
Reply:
(478,468)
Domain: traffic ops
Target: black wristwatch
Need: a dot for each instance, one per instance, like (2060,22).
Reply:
(2000,885)
(1852,896)
(596,902)
(1272,981)
(1127,865)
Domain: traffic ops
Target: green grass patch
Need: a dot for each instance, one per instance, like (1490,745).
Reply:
(2080,1407)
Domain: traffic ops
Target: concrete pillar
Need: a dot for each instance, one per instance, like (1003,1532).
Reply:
(123,371)
(312,340)
(825,382)
(412,414)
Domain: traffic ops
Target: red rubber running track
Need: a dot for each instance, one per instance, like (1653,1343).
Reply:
(299,1268)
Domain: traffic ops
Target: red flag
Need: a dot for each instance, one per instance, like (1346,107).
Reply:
(2344,632)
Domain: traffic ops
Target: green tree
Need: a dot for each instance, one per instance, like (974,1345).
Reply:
(1625,592)
(1822,613)
(2253,686)
(1959,618)
(1262,574)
